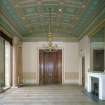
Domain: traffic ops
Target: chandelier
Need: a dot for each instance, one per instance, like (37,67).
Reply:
(50,47)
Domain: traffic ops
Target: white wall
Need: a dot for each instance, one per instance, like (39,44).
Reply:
(84,50)
(70,56)
(71,62)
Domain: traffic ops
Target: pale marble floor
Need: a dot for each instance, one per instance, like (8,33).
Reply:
(46,95)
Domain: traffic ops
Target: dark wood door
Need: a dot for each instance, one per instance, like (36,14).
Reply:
(83,71)
(50,67)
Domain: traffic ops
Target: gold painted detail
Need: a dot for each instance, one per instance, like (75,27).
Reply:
(97,28)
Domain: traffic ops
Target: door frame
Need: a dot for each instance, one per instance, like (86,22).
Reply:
(37,74)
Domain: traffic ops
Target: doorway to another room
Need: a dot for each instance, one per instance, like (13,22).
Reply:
(5,61)
(50,67)
(98,60)
(83,71)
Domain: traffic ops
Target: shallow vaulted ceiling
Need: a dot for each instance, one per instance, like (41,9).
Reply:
(70,18)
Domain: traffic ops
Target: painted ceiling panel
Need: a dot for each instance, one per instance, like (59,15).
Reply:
(90,14)
(69,18)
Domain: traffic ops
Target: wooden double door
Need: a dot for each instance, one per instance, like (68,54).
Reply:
(50,66)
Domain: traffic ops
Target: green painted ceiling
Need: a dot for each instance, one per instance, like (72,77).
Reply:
(70,18)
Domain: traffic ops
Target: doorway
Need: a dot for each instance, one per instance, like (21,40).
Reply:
(98,60)
(50,67)
(5,61)
(83,71)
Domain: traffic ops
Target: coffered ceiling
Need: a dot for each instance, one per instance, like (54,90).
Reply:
(70,18)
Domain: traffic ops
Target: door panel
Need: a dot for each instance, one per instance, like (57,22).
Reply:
(50,67)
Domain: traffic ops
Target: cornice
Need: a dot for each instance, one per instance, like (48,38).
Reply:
(37,39)
(95,26)
(12,27)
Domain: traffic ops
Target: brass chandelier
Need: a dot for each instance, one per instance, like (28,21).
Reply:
(51,47)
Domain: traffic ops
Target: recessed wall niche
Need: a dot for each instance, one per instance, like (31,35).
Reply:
(98,51)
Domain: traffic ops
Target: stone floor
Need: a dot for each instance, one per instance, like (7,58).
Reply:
(47,95)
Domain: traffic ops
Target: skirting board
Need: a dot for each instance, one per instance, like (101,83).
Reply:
(65,82)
